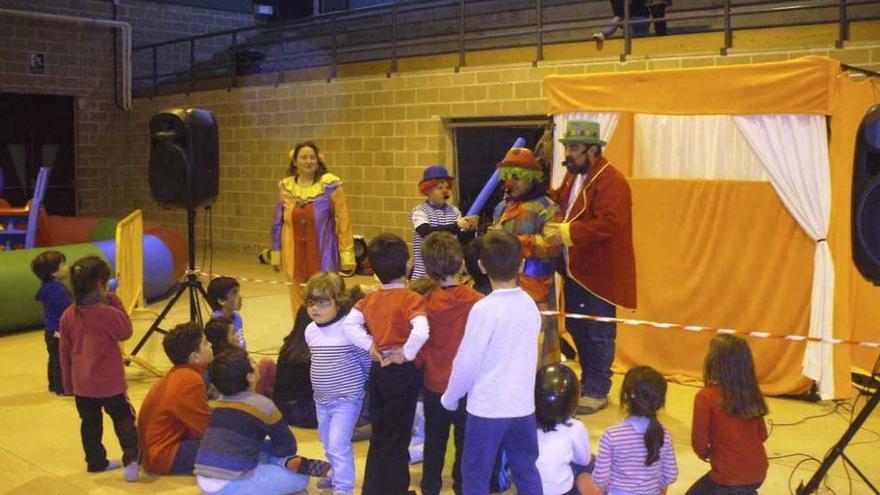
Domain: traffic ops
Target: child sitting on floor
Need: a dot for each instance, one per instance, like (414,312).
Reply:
(636,455)
(234,456)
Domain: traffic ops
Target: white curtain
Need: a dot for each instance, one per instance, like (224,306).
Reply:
(794,150)
(607,124)
(708,147)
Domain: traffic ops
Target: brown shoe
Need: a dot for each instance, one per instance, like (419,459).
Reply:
(590,405)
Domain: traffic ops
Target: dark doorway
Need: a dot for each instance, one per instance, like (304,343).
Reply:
(38,130)
(478,150)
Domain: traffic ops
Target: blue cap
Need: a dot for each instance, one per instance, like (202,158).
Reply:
(435,172)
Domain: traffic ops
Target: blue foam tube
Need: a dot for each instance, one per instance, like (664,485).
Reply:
(490,185)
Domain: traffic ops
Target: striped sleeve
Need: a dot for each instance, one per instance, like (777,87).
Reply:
(602,470)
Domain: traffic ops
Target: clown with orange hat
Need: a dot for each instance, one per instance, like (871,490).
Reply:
(528,213)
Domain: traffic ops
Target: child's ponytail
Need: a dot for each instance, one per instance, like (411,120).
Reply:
(86,275)
(643,394)
(653,440)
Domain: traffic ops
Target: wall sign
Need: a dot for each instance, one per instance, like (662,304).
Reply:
(37,63)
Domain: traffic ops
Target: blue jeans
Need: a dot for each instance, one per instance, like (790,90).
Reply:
(336,421)
(640,29)
(482,439)
(268,479)
(594,339)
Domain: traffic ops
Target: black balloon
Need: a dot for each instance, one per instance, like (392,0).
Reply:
(556,394)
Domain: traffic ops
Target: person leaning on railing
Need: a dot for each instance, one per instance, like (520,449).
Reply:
(311,229)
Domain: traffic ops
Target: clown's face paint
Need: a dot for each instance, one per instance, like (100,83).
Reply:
(440,194)
(517,186)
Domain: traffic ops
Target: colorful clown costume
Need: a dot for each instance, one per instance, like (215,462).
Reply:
(311,231)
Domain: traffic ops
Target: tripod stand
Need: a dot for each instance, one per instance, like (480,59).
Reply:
(837,450)
(191,284)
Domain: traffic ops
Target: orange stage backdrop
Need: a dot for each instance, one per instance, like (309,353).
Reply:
(728,253)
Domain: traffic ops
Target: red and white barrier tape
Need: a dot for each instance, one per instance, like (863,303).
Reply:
(698,328)
(632,322)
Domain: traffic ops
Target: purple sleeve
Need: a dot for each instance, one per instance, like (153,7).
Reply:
(277,221)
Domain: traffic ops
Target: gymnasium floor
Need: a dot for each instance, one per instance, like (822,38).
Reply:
(40,451)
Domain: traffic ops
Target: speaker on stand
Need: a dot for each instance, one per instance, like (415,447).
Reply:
(184,172)
(866,255)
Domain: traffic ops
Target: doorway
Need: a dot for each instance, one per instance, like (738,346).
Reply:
(479,146)
(35,131)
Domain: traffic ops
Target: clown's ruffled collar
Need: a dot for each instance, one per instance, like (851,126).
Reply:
(292,191)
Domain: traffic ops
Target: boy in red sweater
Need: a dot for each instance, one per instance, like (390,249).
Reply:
(447,304)
(175,412)
(91,365)
(398,328)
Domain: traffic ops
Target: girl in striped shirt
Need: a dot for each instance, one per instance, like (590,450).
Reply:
(338,372)
(636,455)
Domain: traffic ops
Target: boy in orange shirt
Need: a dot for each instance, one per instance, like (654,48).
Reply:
(398,328)
(175,412)
(447,304)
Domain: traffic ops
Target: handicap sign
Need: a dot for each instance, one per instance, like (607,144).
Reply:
(37,63)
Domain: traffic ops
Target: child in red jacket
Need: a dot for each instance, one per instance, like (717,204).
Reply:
(728,428)
(91,365)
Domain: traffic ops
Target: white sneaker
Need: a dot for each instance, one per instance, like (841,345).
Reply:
(111,465)
(598,37)
(131,472)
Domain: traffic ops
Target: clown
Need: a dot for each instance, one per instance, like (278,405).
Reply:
(311,228)
(435,213)
(529,214)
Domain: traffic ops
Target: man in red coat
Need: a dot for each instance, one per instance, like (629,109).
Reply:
(600,271)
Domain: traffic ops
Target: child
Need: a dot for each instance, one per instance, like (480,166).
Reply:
(234,456)
(221,333)
(224,296)
(728,427)
(293,392)
(339,372)
(91,365)
(447,304)
(435,213)
(636,455)
(175,412)
(495,368)
(398,328)
(51,268)
(564,459)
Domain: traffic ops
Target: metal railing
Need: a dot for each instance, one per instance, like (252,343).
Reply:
(332,39)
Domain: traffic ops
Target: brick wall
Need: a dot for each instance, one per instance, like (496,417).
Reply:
(151,22)
(377,134)
(79,62)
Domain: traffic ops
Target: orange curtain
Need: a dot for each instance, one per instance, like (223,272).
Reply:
(856,301)
(704,257)
(804,85)
(728,253)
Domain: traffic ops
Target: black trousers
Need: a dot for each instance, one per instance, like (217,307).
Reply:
(393,391)
(438,421)
(53,370)
(92,429)
(657,12)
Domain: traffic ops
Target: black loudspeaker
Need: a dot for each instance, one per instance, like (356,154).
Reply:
(184,158)
(866,197)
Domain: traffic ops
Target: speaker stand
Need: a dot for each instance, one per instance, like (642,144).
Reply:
(190,284)
(837,450)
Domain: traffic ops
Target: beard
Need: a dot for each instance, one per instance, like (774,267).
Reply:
(573,168)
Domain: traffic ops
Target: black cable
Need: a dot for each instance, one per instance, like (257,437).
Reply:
(773,424)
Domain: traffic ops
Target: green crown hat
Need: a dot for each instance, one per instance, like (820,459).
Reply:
(582,131)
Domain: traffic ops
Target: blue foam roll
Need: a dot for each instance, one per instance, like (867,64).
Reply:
(490,185)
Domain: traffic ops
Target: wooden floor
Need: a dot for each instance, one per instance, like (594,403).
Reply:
(40,450)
